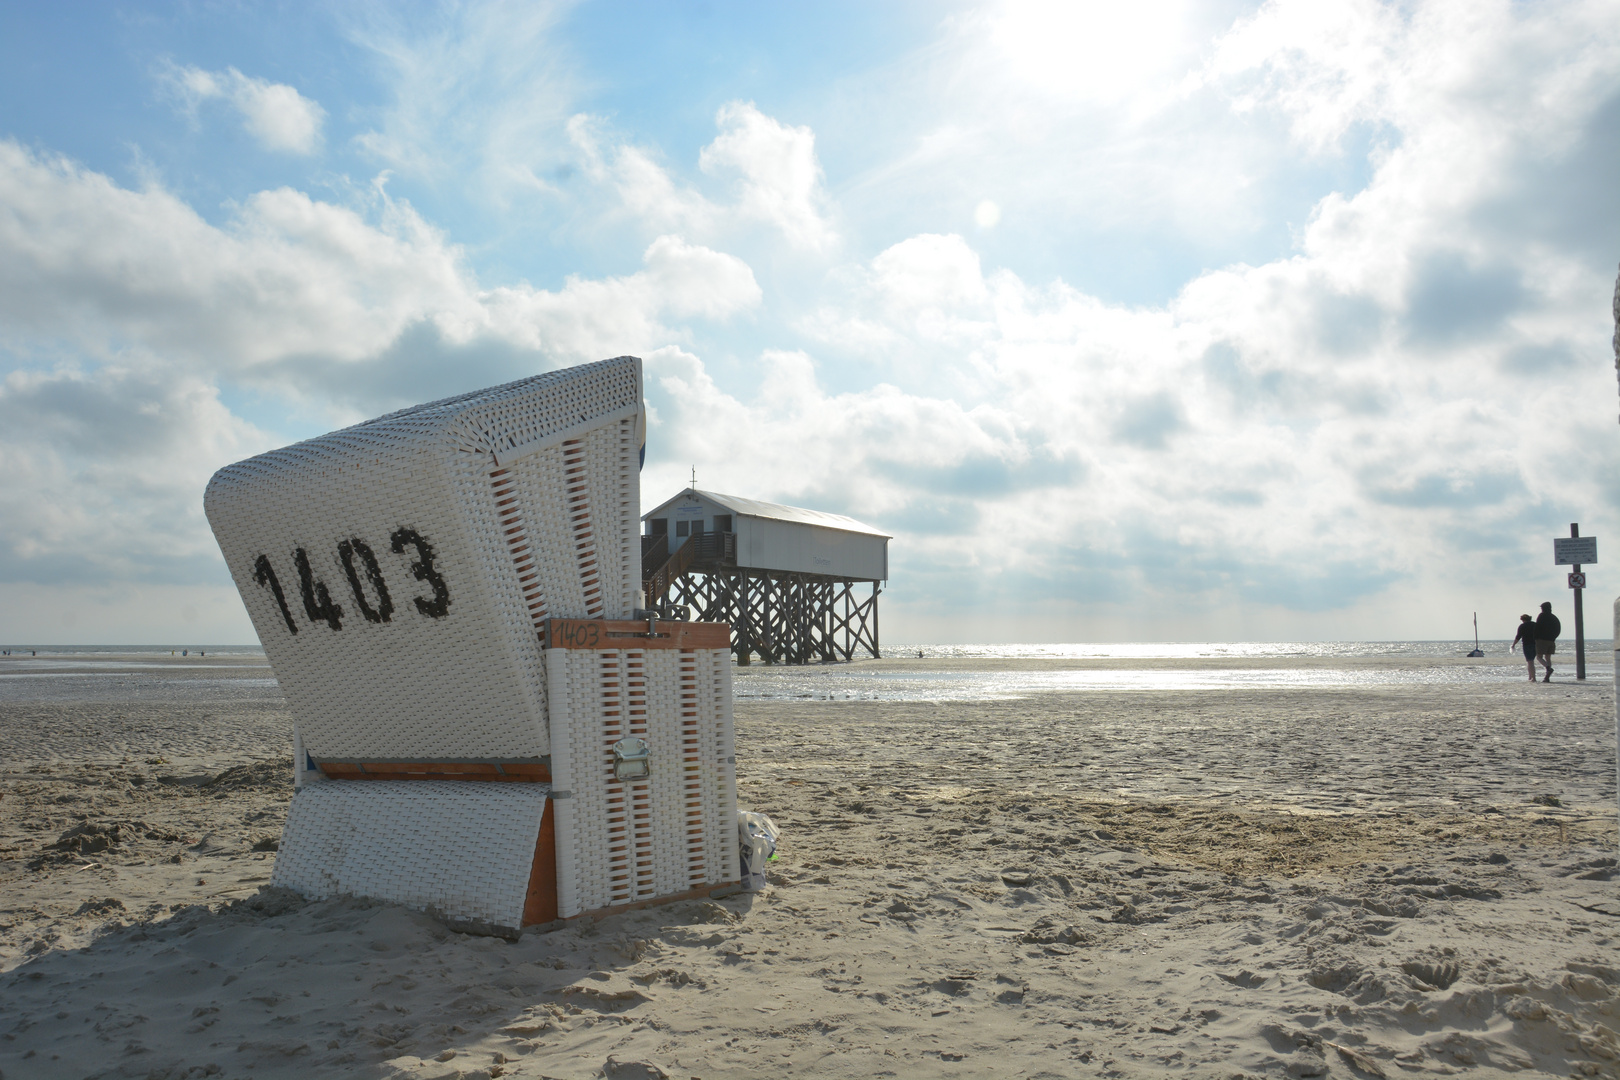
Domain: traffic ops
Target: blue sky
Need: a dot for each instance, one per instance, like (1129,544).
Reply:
(1162,321)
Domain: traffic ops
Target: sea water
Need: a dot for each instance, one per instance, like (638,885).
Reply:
(1164,666)
(149,674)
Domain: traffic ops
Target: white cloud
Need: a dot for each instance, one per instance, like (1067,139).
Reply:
(481,94)
(291,278)
(1094,50)
(644,190)
(276,114)
(1389,411)
(1385,407)
(589,319)
(772,170)
(693,281)
(1072,118)
(486,98)
(89,260)
(930,272)
(303,300)
(135,446)
(778,176)
(1478,74)
(1329,65)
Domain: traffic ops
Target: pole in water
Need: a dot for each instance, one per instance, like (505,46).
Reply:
(1580,621)
(1477,650)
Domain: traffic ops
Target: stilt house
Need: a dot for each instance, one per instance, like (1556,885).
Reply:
(784,577)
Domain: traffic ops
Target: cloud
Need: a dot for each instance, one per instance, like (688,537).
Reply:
(867,453)
(770,169)
(91,261)
(1328,66)
(293,285)
(692,281)
(134,446)
(1372,370)
(1341,401)
(778,178)
(487,99)
(275,114)
(1149,421)
(1450,301)
(644,189)
(1468,488)
(349,312)
(929,273)
(1000,505)
(1087,49)
(480,94)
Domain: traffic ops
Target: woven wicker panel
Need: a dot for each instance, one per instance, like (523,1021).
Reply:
(461,850)
(718,785)
(397,571)
(626,841)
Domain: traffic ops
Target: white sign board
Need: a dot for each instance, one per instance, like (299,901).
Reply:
(1574,550)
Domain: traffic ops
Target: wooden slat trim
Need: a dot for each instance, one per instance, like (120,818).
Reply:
(540,904)
(702,892)
(509,771)
(632,634)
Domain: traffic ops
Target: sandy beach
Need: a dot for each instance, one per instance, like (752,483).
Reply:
(1150,867)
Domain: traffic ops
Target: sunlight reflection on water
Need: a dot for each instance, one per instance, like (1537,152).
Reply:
(836,683)
(107,674)
(1258,650)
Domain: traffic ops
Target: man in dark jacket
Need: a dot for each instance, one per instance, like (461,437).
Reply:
(1547,631)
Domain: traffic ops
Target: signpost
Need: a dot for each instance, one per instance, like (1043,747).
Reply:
(1574,552)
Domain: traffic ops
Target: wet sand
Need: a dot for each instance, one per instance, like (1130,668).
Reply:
(1356,880)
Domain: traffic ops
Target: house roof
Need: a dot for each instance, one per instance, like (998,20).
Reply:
(797,514)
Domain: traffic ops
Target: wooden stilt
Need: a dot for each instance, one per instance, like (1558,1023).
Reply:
(784,617)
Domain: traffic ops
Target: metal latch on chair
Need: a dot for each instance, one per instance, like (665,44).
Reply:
(632,759)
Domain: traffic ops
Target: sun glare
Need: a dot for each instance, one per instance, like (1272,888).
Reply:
(1091,50)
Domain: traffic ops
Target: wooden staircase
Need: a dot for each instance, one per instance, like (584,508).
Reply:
(665,567)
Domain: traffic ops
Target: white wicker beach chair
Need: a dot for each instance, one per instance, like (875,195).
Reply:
(401,575)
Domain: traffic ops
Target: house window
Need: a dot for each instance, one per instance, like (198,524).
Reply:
(697,527)
(681,527)
(658,527)
(722,523)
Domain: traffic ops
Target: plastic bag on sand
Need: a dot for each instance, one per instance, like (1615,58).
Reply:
(756,843)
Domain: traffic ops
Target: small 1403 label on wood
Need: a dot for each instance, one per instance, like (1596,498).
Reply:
(572,634)
(635,634)
(366,581)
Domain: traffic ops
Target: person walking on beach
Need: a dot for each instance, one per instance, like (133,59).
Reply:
(1547,630)
(1526,639)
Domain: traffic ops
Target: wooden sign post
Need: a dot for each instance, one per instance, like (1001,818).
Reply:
(1574,552)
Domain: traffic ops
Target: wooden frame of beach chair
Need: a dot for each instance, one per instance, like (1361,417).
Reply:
(625,840)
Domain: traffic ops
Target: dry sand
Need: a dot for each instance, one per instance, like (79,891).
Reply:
(1351,881)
